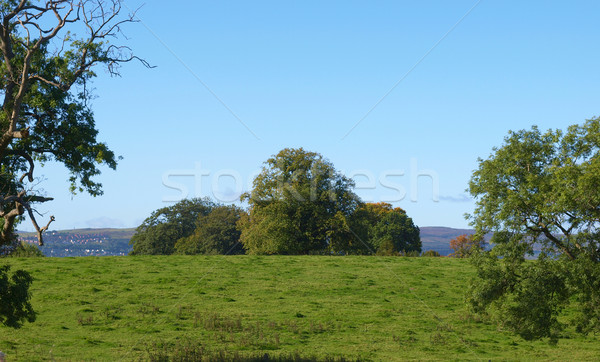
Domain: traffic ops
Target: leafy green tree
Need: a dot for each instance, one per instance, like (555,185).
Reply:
(15,307)
(48,53)
(386,230)
(215,233)
(349,234)
(540,191)
(165,226)
(299,204)
(394,233)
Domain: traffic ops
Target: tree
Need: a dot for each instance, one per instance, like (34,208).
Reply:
(385,230)
(299,204)
(158,233)
(539,191)
(45,70)
(215,233)
(391,231)
(15,307)
(465,245)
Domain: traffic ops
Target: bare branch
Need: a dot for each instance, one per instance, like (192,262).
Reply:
(35,224)
(49,82)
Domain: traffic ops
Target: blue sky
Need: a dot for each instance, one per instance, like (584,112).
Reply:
(304,73)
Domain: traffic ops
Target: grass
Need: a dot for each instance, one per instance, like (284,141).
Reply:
(230,307)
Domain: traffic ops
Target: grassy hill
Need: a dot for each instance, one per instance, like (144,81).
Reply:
(370,308)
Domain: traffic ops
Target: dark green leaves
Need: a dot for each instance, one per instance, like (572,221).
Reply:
(396,230)
(298,203)
(216,233)
(159,232)
(15,307)
(539,193)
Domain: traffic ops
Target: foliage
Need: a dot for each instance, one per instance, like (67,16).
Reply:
(215,233)
(530,296)
(48,52)
(165,226)
(396,231)
(430,253)
(540,189)
(299,204)
(26,250)
(543,185)
(465,245)
(388,230)
(15,306)
(521,295)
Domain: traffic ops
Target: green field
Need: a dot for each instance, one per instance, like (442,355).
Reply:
(369,308)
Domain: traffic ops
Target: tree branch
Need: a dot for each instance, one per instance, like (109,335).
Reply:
(26,156)
(35,224)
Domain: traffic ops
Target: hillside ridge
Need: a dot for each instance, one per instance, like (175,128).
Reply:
(115,241)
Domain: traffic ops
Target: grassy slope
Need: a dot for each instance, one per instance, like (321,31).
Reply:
(360,307)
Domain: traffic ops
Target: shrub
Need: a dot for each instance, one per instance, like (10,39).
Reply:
(26,250)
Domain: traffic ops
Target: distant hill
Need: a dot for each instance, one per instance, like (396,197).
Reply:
(438,238)
(113,232)
(83,242)
(98,242)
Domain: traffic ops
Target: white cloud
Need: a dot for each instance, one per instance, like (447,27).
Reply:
(459,198)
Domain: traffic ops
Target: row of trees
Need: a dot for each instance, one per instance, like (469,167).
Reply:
(299,204)
(196,226)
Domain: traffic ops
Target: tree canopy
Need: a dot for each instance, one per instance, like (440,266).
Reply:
(298,204)
(390,230)
(159,233)
(539,193)
(49,50)
(215,233)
